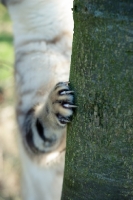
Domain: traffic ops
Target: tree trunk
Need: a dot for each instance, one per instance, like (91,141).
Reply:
(99,157)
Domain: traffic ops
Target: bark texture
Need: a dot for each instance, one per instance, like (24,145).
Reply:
(99,157)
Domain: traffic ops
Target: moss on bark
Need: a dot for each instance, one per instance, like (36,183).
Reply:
(99,157)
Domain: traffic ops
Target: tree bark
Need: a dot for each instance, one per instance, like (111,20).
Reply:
(99,157)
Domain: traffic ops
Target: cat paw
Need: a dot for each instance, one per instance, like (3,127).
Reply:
(62,102)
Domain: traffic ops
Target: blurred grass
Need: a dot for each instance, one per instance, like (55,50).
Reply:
(9,162)
(6,46)
(6,58)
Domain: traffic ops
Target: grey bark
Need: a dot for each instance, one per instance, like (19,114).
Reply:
(99,157)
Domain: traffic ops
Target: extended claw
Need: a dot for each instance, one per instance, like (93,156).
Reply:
(69,106)
(62,119)
(65,120)
(66,92)
(67,82)
(61,84)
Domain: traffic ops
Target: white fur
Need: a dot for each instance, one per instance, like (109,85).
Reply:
(38,181)
(43,19)
(40,64)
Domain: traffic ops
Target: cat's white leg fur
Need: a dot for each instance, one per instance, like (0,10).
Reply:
(43,32)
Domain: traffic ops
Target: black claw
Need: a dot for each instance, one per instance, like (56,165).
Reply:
(61,84)
(63,120)
(61,92)
(66,92)
(66,83)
